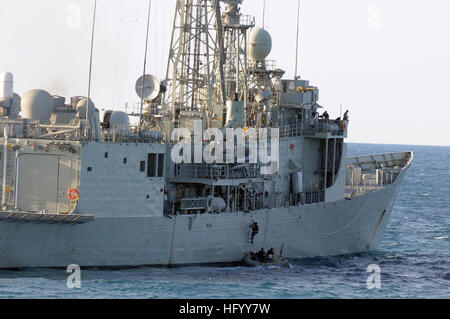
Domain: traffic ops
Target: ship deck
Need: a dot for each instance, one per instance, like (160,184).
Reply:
(374,172)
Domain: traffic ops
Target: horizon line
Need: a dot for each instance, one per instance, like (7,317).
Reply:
(399,144)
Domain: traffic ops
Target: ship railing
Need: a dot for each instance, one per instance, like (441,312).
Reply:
(134,109)
(131,136)
(335,127)
(242,21)
(194,204)
(358,190)
(34,129)
(360,181)
(307,198)
(217,171)
(395,161)
(247,20)
(373,172)
(267,65)
(291,130)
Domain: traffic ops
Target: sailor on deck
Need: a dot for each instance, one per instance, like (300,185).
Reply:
(346,116)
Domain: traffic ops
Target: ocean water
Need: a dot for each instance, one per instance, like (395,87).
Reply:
(414,258)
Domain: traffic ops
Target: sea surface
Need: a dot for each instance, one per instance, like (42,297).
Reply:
(414,258)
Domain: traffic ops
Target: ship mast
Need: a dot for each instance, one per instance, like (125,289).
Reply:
(235,36)
(207,58)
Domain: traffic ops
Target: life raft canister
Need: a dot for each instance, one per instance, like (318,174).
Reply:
(74,194)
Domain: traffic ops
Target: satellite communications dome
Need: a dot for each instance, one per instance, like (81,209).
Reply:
(260,44)
(37,105)
(120,120)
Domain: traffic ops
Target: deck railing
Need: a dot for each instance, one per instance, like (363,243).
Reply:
(305,198)
(217,171)
(334,127)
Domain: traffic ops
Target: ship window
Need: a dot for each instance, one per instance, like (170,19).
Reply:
(106,155)
(142,166)
(89,169)
(160,165)
(151,165)
(125,160)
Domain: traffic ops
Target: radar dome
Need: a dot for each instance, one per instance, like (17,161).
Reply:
(81,108)
(260,44)
(120,120)
(37,105)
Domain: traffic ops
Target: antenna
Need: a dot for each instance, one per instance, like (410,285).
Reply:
(144,78)
(197,58)
(264,14)
(147,88)
(90,64)
(297,42)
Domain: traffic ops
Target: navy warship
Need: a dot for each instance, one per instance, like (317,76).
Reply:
(223,143)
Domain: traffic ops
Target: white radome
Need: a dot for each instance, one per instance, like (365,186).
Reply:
(120,120)
(37,105)
(260,44)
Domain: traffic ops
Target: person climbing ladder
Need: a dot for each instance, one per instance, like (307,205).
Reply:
(255,230)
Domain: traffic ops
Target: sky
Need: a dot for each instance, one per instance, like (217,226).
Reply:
(386,61)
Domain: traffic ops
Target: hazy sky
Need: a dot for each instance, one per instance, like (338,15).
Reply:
(387,61)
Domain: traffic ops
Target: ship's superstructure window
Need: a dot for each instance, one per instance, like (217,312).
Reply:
(106,154)
(125,160)
(142,166)
(155,165)
(160,165)
(151,165)
(89,169)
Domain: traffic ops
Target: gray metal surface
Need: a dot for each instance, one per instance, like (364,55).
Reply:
(342,227)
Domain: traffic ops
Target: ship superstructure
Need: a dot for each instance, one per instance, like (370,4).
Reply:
(222,142)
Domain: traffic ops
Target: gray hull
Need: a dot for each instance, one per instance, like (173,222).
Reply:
(326,229)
